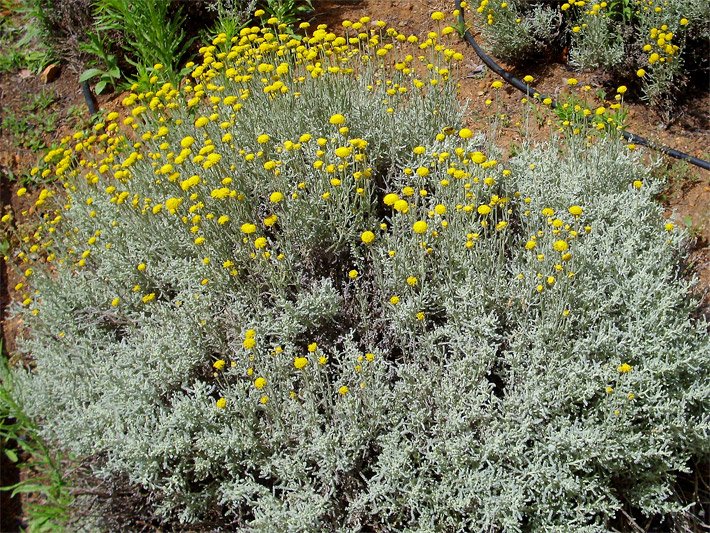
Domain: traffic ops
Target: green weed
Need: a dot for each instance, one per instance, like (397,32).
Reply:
(22,444)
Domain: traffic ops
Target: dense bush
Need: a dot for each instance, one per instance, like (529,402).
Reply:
(297,292)
(664,43)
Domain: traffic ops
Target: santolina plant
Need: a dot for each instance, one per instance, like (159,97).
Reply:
(663,43)
(296,293)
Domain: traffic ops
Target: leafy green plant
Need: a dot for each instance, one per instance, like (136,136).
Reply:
(232,16)
(44,481)
(34,123)
(153,32)
(108,73)
(29,131)
(22,40)
(288,12)
(622,11)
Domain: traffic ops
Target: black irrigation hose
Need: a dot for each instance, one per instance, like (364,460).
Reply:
(88,97)
(525,88)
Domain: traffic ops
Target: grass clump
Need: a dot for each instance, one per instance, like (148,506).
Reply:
(297,291)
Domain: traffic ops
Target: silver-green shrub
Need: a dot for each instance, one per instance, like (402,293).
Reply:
(354,317)
(662,47)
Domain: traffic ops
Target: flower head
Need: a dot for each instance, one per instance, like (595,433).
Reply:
(624,368)
(367,237)
(420,227)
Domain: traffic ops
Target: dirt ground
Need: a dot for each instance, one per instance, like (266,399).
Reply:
(687,198)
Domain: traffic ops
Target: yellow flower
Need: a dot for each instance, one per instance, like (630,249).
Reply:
(343,390)
(484,209)
(437,15)
(420,227)
(248,228)
(624,368)
(478,158)
(465,133)
(21,191)
(275,197)
(528,79)
(683,22)
(172,204)
(401,206)
(390,199)
(367,237)
(263,139)
(621,89)
(221,403)
(353,274)
(219,364)
(343,152)
(575,210)
(201,122)
(115,302)
(249,343)
(412,281)
(640,73)
(394,300)
(560,246)
(312,347)
(637,184)
(422,172)
(337,119)
(260,383)
(300,362)
(148,298)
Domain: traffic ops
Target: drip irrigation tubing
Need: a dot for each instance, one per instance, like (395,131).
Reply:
(529,91)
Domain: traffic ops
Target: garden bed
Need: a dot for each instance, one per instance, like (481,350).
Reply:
(685,197)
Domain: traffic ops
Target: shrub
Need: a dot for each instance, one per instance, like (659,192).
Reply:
(517,31)
(668,42)
(296,291)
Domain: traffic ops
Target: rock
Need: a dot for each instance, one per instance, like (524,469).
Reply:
(24,74)
(50,73)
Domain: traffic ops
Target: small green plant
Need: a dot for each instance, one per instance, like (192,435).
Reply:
(22,40)
(232,16)
(107,72)
(622,11)
(30,127)
(20,441)
(153,33)
(288,12)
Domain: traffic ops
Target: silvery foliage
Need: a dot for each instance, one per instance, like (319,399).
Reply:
(489,414)
(599,45)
